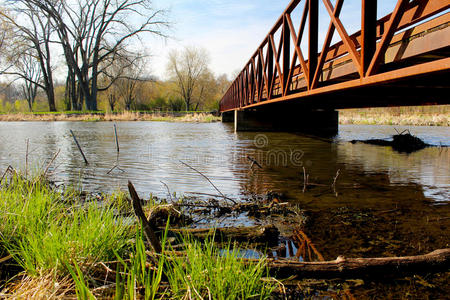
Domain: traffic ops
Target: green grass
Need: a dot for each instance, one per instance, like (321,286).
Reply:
(45,234)
(49,232)
(141,278)
(210,272)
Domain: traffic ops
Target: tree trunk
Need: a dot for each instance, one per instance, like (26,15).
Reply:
(51,98)
(188,104)
(94,88)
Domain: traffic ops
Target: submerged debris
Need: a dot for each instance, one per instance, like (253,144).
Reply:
(407,143)
(401,142)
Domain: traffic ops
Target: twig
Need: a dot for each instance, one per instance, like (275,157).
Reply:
(79,147)
(8,169)
(150,234)
(50,163)
(334,182)
(6,258)
(224,197)
(211,195)
(117,138)
(107,173)
(115,167)
(305,181)
(336,177)
(254,162)
(168,190)
(26,160)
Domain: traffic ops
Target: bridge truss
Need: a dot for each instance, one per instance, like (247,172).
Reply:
(400,59)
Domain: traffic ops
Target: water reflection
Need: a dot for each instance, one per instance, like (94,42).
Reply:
(150,153)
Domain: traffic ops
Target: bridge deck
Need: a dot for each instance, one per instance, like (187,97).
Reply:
(401,59)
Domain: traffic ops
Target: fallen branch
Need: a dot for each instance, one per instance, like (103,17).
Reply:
(149,233)
(356,267)
(211,195)
(255,234)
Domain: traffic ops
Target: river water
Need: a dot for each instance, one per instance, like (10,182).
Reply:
(383,203)
(150,153)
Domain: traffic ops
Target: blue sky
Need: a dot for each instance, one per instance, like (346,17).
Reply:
(231,30)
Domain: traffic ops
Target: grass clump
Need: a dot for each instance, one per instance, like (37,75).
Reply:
(45,234)
(139,277)
(212,273)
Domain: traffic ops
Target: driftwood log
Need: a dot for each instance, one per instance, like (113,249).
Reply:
(268,234)
(438,260)
(148,230)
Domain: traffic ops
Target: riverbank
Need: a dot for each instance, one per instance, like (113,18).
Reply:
(193,117)
(413,116)
(59,245)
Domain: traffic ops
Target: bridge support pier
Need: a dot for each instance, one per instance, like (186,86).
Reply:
(228,117)
(317,122)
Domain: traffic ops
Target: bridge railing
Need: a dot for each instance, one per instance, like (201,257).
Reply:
(279,68)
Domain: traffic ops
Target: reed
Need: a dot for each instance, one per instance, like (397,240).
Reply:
(438,115)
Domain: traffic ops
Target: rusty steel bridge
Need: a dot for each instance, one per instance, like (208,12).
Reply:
(289,83)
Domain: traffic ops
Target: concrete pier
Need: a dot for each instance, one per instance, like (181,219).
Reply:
(228,117)
(317,122)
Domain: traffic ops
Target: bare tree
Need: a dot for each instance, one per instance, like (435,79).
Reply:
(187,68)
(119,77)
(30,69)
(127,83)
(92,31)
(32,40)
(223,84)
(112,100)
(6,35)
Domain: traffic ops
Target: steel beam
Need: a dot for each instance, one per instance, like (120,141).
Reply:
(278,75)
(313,43)
(368,33)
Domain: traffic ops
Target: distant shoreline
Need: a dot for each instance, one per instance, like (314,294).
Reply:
(188,117)
(346,117)
(411,119)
